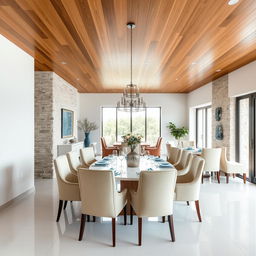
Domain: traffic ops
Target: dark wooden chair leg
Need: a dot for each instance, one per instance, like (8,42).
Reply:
(171,226)
(88,218)
(198,211)
(163,219)
(59,210)
(218,176)
(187,203)
(203,178)
(227,177)
(140,230)
(234,175)
(82,224)
(131,215)
(114,231)
(94,219)
(125,215)
(65,205)
(244,178)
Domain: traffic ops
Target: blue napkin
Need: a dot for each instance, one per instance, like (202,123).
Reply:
(165,165)
(189,148)
(101,164)
(159,160)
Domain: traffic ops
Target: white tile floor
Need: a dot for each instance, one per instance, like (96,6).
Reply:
(28,227)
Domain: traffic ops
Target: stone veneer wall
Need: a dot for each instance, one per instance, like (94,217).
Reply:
(51,94)
(220,99)
(43,124)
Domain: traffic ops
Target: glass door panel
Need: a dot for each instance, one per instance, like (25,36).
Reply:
(209,128)
(138,123)
(123,124)
(244,133)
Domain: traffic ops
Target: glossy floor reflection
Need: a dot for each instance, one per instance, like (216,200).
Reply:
(28,227)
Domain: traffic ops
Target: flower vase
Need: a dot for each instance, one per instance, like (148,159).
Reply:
(86,139)
(133,159)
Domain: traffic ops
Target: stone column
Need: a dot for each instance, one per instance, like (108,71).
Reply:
(221,99)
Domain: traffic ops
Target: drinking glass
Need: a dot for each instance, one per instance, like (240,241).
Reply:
(121,157)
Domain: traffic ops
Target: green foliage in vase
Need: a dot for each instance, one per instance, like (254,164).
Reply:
(177,133)
(132,140)
(87,126)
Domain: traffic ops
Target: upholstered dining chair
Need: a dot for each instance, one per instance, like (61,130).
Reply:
(87,156)
(74,161)
(154,197)
(187,144)
(184,163)
(188,185)
(67,183)
(106,150)
(174,155)
(100,197)
(155,150)
(230,167)
(212,161)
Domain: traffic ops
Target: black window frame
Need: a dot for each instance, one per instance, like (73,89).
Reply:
(146,110)
(206,126)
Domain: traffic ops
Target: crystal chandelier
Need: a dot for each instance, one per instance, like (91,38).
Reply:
(131,100)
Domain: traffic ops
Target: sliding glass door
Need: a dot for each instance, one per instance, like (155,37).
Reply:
(203,127)
(245,129)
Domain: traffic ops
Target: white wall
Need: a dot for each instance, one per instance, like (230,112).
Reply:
(17,121)
(197,98)
(173,106)
(243,80)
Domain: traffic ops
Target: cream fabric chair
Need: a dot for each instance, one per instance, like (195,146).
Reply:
(229,167)
(100,197)
(154,197)
(212,161)
(187,143)
(184,164)
(67,183)
(188,185)
(87,156)
(174,155)
(74,162)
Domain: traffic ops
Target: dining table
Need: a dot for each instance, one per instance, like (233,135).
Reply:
(128,177)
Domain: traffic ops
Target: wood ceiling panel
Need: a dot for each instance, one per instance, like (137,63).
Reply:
(178,44)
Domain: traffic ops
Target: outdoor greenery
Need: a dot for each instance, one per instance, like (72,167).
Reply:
(177,133)
(87,126)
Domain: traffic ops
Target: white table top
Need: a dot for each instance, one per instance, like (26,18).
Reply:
(122,172)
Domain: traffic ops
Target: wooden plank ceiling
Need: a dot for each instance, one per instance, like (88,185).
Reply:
(178,44)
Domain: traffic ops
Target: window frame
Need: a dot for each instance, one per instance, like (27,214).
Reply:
(146,116)
(205,108)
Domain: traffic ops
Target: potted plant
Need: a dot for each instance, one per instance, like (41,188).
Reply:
(133,159)
(177,133)
(86,126)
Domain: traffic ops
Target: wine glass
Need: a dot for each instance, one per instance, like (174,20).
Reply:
(121,157)
(114,153)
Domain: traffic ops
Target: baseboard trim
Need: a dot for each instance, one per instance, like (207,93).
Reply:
(17,198)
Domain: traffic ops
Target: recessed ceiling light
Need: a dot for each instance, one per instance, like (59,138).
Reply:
(77,79)
(218,70)
(63,63)
(193,63)
(233,2)
(177,79)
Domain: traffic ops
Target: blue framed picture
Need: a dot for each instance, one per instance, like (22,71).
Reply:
(67,123)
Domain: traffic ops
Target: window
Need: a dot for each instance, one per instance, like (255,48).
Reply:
(116,123)
(203,127)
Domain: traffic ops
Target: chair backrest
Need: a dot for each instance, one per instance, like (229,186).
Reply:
(158,143)
(98,192)
(223,159)
(74,161)
(212,159)
(184,159)
(168,149)
(103,142)
(155,193)
(195,171)
(87,156)
(174,155)
(187,143)
(63,174)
